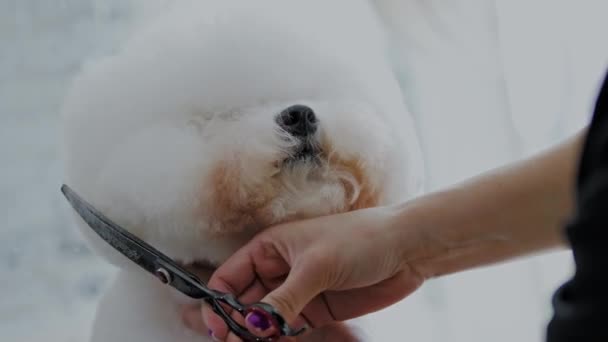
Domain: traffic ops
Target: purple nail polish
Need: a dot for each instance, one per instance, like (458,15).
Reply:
(212,335)
(258,320)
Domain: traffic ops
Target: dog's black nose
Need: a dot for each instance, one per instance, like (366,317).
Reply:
(298,120)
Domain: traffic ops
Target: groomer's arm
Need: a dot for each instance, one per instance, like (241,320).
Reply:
(505,213)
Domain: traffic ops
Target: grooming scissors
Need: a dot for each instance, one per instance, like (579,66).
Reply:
(172,274)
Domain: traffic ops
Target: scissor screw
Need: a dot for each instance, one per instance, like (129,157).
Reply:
(163,275)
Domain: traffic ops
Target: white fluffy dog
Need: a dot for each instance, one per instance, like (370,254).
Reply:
(222,117)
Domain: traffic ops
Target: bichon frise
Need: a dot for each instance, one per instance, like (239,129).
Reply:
(222,117)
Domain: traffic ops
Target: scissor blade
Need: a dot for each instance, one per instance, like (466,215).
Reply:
(152,260)
(135,249)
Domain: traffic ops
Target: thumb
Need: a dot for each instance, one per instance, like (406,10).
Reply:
(299,289)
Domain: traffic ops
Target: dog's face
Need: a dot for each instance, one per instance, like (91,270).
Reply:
(268,165)
(197,143)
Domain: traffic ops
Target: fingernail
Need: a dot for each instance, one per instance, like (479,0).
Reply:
(212,335)
(258,320)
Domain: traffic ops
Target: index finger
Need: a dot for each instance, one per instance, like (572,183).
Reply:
(234,276)
(246,275)
(259,259)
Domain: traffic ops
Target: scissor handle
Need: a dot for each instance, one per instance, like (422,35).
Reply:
(233,325)
(266,310)
(190,285)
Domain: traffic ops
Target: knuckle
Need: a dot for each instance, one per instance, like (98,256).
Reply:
(285,302)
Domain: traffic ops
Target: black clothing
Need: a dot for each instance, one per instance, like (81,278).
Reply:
(581,304)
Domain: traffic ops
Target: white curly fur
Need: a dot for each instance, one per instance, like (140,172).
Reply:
(199,87)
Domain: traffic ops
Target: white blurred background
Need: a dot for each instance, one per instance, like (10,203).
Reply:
(489,81)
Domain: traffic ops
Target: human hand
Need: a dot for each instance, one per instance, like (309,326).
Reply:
(316,271)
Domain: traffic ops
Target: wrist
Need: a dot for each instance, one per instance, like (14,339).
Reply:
(438,234)
(410,235)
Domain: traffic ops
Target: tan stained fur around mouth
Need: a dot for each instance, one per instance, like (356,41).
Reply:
(233,206)
(367,195)
(362,193)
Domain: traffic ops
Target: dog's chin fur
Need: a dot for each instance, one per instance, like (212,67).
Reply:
(175,137)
